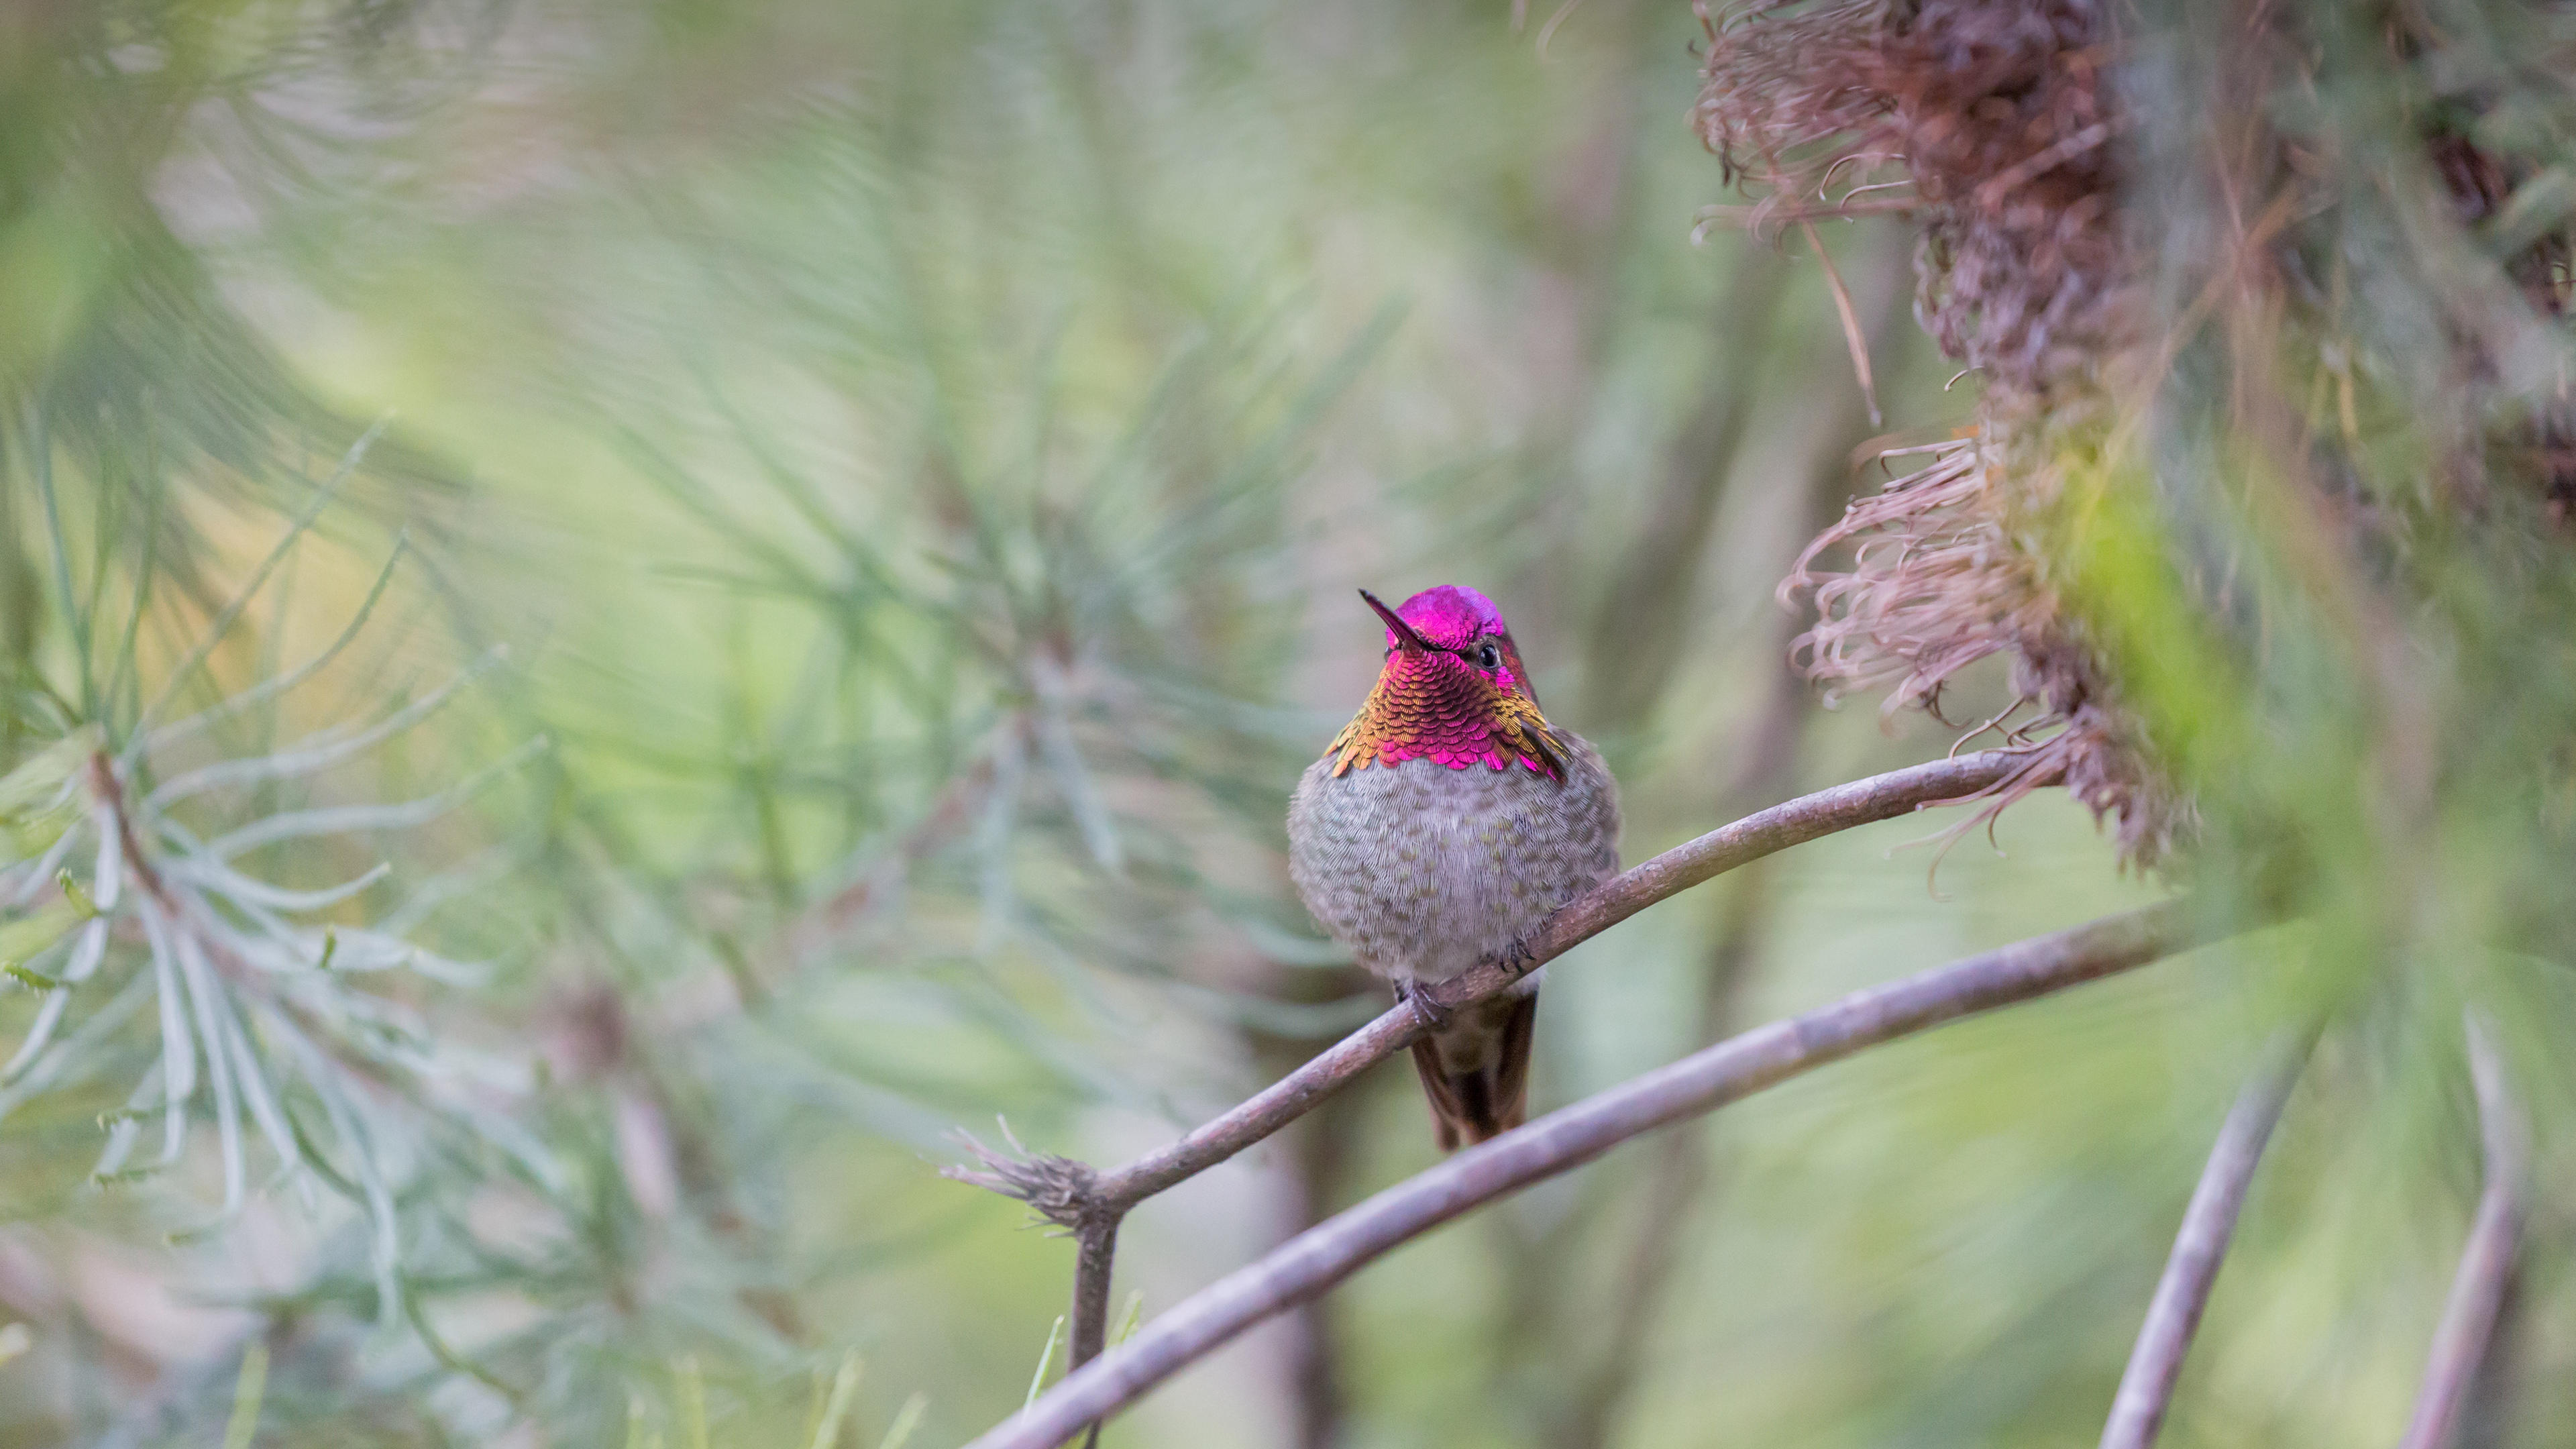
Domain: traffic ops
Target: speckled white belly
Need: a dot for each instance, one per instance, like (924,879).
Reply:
(1422,871)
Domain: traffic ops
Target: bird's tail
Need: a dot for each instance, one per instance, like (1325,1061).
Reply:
(1475,1069)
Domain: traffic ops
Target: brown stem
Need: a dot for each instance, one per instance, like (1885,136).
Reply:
(1314,1261)
(107,790)
(1313,1358)
(2173,1315)
(1809,817)
(1071,1193)
(1095,1254)
(1768,753)
(2485,1277)
(1314,1164)
(1674,1182)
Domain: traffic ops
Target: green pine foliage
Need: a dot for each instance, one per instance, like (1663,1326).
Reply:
(615,619)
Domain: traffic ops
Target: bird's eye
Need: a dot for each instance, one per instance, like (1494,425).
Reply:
(1488,656)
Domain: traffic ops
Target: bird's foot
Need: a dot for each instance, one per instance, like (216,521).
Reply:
(1518,958)
(1431,1015)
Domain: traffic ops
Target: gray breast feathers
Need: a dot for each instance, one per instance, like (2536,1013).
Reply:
(1422,871)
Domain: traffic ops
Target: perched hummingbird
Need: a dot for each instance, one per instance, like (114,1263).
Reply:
(1448,818)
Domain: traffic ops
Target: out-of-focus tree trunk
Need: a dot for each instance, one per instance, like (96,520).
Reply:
(1643,623)
(1546,1328)
(1311,1181)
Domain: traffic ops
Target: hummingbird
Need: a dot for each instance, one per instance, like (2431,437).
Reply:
(1443,822)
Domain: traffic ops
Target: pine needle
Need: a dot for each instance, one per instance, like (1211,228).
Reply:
(845,1385)
(906,1419)
(248,1390)
(1046,1361)
(223,620)
(689,1387)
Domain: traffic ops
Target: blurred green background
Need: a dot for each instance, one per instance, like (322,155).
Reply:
(918,458)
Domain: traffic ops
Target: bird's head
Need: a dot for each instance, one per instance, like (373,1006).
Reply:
(1451,632)
(1452,690)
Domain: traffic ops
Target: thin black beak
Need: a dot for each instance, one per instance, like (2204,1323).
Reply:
(1404,634)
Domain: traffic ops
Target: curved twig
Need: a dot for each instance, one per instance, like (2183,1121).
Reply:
(1809,817)
(2173,1316)
(1091,1203)
(1315,1260)
(2485,1276)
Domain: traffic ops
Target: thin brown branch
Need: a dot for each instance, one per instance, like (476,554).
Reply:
(2485,1276)
(1065,1192)
(1315,1261)
(1073,1196)
(2173,1315)
(1315,1160)
(1095,1245)
(1676,1182)
(1809,817)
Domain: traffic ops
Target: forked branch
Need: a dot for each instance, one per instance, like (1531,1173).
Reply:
(2478,1290)
(1317,1259)
(1809,817)
(2173,1316)
(1091,1203)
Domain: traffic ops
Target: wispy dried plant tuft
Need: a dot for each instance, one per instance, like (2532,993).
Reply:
(1059,1189)
(2018,137)
(1993,124)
